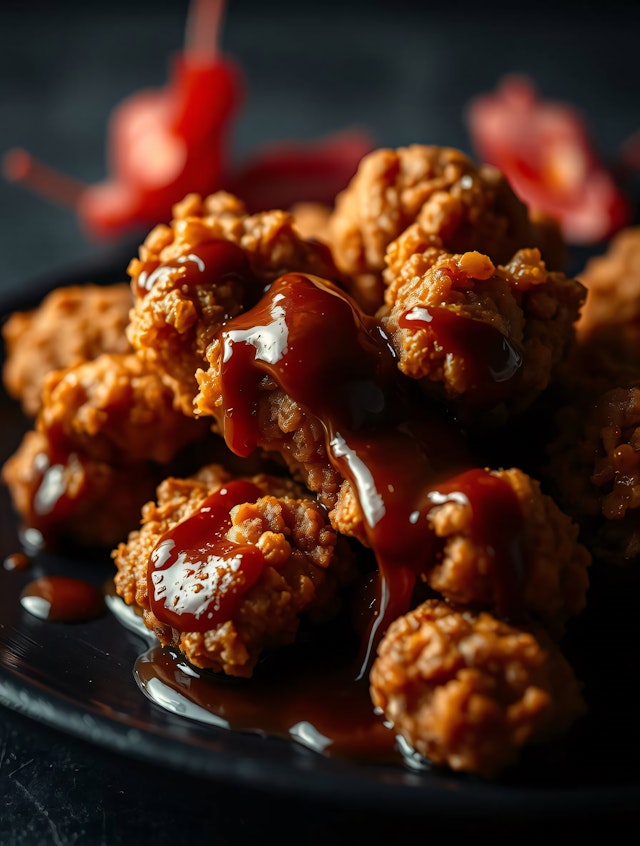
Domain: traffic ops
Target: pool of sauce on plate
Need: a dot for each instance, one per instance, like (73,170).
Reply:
(62,599)
(17,561)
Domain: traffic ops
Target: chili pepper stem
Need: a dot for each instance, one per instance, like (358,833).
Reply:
(203,26)
(21,167)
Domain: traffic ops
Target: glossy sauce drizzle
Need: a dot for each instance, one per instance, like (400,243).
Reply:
(196,576)
(62,599)
(209,263)
(399,452)
(492,361)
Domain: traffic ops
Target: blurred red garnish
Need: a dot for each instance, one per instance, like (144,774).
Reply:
(164,144)
(544,150)
(287,172)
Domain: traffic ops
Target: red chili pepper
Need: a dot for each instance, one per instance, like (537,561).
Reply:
(544,150)
(289,171)
(162,144)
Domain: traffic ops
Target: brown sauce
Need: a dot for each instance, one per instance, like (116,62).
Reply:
(62,599)
(196,577)
(17,561)
(394,447)
(210,263)
(492,361)
(313,703)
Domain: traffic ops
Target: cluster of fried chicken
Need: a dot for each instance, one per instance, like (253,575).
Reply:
(283,409)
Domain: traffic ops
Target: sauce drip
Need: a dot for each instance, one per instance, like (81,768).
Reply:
(196,576)
(492,361)
(52,501)
(210,263)
(62,599)
(17,561)
(309,702)
(393,447)
(495,525)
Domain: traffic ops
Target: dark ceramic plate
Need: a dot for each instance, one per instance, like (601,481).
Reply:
(78,679)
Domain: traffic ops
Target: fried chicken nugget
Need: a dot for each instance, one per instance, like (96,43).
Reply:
(116,409)
(486,337)
(71,325)
(594,469)
(469,691)
(464,206)
(105,429)
(303,568)
(186,284)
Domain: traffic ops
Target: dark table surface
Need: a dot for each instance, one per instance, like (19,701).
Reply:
(403,70)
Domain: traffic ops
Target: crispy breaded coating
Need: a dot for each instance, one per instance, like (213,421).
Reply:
(69,497)
(469,691)
(480,335)
(613,284)
(465,206)
(553,578)
(117,409)
(312,220)
(173,323)
(305,568)
(71,325)
(594,468)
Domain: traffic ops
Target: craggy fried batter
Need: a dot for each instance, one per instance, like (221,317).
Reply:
(305,568)
(464,206)
(594,470)
(117,409)
(174,323)
(468,690)
(531,309)
(71,325)
(613,283)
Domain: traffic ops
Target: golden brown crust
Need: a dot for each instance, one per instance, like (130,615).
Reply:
(303,571)
(613,284)
(72,324)
(465,206)
(117,409)
(533,309)
(594,470)
(469,691)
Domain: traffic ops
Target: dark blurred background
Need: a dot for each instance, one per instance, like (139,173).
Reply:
(403,70)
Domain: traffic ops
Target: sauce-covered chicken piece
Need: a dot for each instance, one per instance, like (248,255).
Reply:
(484,337)
(104,424)
(223,568)
(71,325)
(308,375)
(495,541)
(210,264)
(468,690)
(116,408)
(465,206)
